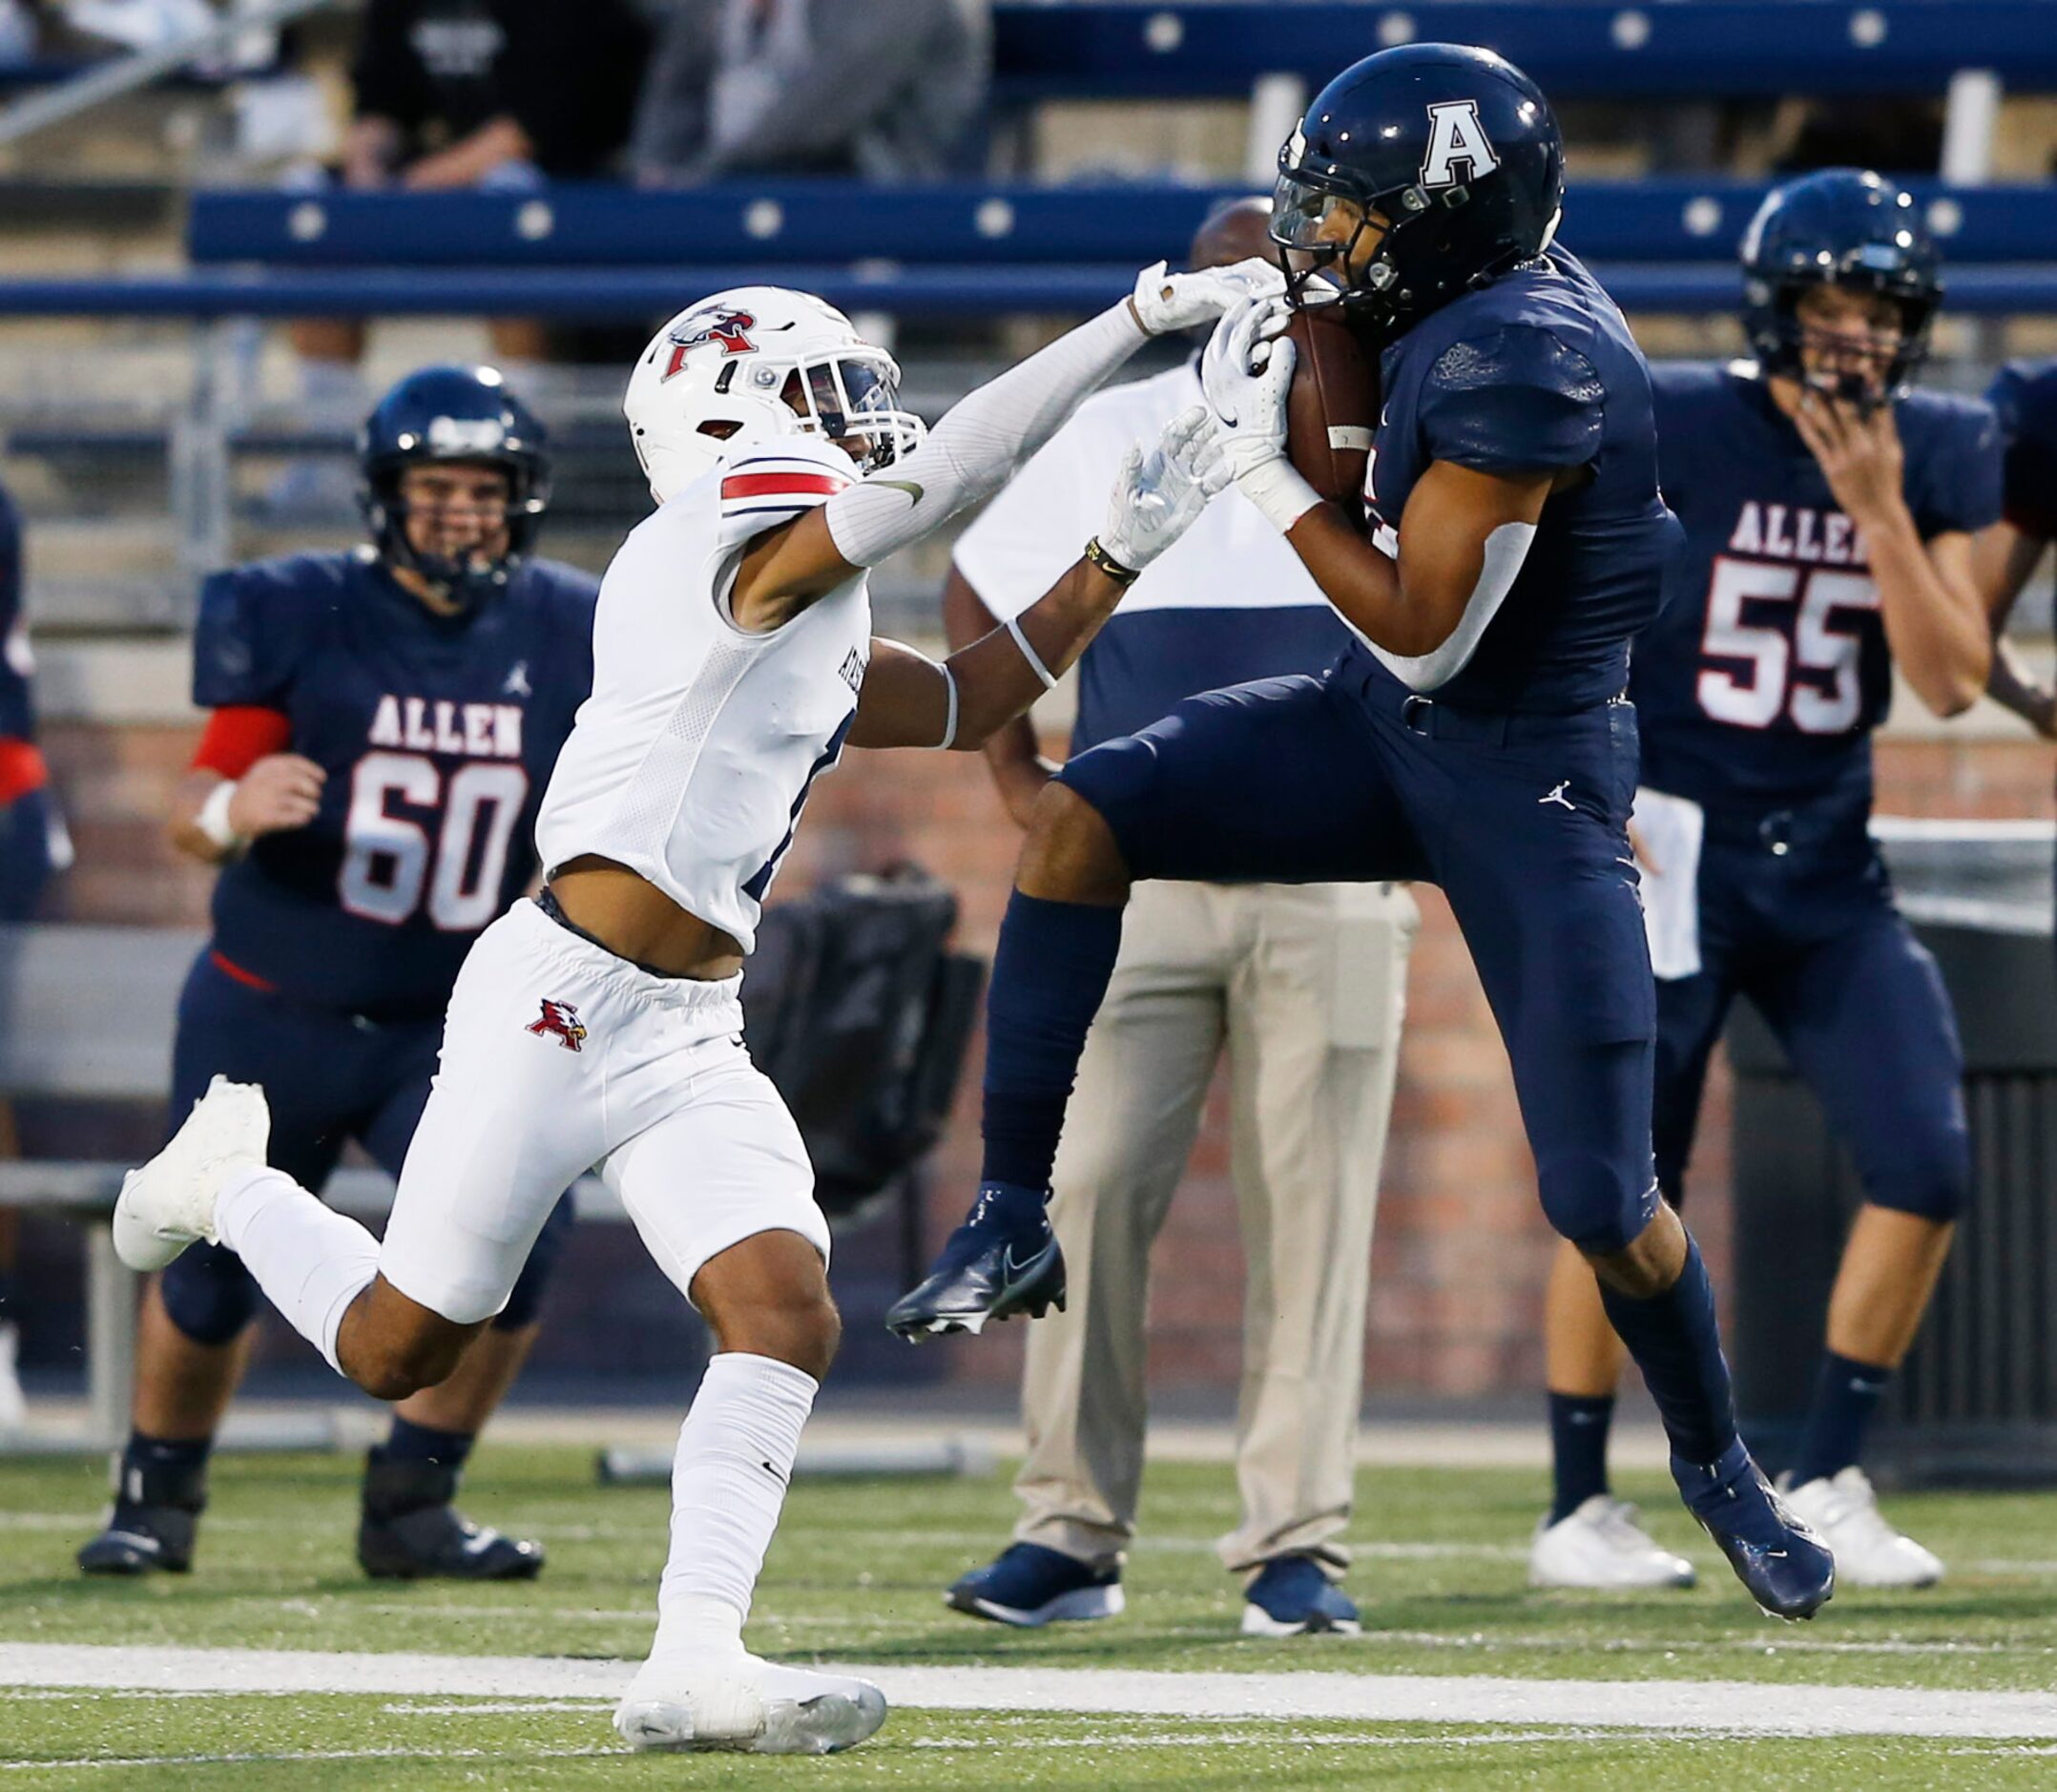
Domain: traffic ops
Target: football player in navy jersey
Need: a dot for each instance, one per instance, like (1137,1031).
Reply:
(384,722)
(1829,515)
(1474,735)
(2024,395)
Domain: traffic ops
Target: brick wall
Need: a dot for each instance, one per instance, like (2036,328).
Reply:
(1461,1249)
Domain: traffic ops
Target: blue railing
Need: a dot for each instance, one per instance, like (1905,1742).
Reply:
(992,226)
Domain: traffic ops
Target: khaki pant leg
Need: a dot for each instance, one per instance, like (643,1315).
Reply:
(1314,1009)
(1128,1134)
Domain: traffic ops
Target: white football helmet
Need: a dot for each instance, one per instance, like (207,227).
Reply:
(755,363)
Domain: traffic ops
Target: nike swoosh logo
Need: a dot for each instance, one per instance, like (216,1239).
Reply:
(912,488)
(1010,1267)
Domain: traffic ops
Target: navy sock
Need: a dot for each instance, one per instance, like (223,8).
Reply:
(1845,1397)
(145,1452)
(1578,1426)
(1050,972)
(410,1442)
(10,1294)
(1676,1343)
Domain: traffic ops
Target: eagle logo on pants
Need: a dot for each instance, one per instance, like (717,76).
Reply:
(559,1021)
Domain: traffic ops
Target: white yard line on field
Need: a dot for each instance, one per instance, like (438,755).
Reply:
(1726,1706)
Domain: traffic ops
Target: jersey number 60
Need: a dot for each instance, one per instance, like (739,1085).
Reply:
(388,860)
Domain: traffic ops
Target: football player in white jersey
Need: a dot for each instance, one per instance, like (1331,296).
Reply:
(599,1026)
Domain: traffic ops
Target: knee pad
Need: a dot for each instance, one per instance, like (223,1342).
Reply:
(208,1294)
(1591,1204)
(1930,1178)
(526,1303)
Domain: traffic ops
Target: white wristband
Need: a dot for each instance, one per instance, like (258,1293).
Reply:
(1029,653)
(949,721)
(1279,492)
(212,818)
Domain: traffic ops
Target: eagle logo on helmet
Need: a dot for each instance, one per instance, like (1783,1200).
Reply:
(730,328)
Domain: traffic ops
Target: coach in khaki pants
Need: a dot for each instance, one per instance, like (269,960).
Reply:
(1303,984)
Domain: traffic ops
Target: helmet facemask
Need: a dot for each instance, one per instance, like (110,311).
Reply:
(1320,217)
(1782,339)
(852,400)
(465,581)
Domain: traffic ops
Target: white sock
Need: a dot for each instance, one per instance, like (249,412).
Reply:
(311,1261)
(729,1477)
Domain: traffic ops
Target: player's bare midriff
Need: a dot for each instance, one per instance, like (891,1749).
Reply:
(633,919)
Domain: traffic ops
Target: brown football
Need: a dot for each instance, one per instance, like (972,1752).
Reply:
(1333,408)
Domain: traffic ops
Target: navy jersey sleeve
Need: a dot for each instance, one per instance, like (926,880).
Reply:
(1960,484)
(2024,395)
(1517,399)
(246,642)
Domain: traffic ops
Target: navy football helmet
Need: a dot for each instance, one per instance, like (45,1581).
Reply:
(463,414)
(1456,150)
(1842,228)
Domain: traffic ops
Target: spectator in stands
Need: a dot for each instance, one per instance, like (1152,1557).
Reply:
(32,844)
(883,88)
(481,92)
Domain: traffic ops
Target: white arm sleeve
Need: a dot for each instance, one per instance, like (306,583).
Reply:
(1506,547)
(982,438)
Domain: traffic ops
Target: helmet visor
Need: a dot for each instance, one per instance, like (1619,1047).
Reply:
(1313,218)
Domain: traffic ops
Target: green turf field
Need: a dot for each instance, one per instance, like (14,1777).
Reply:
(856,1574)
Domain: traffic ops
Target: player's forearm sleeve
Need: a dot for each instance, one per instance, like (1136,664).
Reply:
(980,441)
(1506,547)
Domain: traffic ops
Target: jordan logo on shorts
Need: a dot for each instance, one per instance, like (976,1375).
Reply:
(559,1021)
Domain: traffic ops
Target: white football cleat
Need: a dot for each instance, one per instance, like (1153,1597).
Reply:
(1868,1552)
(168,1203)
(1600,1544)
(727,1699)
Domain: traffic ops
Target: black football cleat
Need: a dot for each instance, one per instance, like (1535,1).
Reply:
(151,1529)
(1003,1259)
(408,1529)
(1787,1569)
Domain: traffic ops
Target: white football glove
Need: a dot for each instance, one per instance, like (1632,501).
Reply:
(1156,496)
(1168,302)
(1246,373)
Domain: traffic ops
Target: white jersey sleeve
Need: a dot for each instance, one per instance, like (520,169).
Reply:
(769,485)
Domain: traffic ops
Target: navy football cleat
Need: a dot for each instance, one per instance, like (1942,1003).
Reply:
(1003,1259)
(1030,1586)
(407,1530)
(1293,1598)
(1786,1567)
(155,1514)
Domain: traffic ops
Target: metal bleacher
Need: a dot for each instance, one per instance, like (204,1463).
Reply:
(1581,49)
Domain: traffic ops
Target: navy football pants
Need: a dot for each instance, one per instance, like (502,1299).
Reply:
(328,1077)
(1522,820)
(1812,938)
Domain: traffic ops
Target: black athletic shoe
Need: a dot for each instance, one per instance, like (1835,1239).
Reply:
(1003,1259)
(409,1530)
(150,1529)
